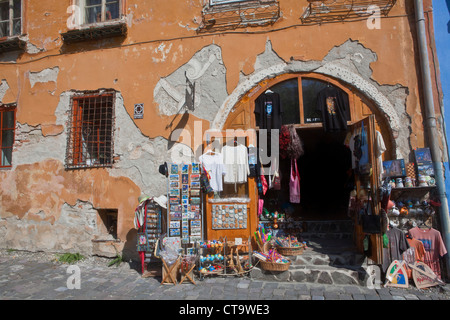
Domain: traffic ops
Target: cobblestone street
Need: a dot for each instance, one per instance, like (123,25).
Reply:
(37,276)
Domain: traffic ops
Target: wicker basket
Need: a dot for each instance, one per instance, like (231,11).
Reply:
(273,266)
(290,251)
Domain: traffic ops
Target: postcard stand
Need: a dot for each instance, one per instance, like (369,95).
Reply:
(184,210)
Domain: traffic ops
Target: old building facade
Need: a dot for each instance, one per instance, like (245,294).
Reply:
(140,70)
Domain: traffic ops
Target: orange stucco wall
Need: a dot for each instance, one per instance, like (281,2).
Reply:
(161,37)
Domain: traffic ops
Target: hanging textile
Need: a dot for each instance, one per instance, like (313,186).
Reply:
(434,247)
(295,146)
(213,164)
(294,183)
(268,111)
(235,159)
(334,109)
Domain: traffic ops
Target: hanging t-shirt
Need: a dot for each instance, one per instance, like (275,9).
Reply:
(433,244)
(416,252)
(268,111)
(334,108)
(235,160)
(397,245)
(380,148)
(213,164)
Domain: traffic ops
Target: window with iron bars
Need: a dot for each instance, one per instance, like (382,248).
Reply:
(7,128)
(214,2)
(90,139)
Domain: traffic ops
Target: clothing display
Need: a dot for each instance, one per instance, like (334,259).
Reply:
(380,148)
(235,160)
(268,111)
(334,109)
(213,164)
(398,244)
(433,245)
(415,252)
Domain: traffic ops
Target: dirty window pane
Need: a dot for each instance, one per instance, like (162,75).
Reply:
(16,9)
(93,2)
(4,10)
(93,14)
(4,29)
(6,157)
(7,138)
(112,10)
(288,91)
(16,27)
(8,120)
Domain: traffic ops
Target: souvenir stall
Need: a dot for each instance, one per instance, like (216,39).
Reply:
(149,220)
(413,246)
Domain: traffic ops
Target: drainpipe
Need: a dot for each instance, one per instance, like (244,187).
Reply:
(430,127)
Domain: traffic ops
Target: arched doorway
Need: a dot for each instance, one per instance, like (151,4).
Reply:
(327,160)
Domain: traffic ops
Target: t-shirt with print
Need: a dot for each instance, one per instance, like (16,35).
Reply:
(397,245)
(434,247)
(268,111)
(334,108)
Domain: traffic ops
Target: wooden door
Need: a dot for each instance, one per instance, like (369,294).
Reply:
(366,179)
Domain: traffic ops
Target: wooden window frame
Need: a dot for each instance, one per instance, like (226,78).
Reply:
(83,152)
(103,13)
(11,19)
(267,84)
(3,110)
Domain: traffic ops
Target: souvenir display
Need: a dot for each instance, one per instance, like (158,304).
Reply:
(149,224)
(226,216)
(184,207)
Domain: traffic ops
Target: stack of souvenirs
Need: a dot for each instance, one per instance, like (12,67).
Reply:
(270,259)
(213,261)
(410,175)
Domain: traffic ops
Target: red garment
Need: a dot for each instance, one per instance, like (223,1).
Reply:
(434,247)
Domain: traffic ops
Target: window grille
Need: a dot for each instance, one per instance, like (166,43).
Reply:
(90,139)
(7,129)
(319,11)
(214,2)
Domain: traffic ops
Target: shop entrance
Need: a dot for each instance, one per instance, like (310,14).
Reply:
(326,178)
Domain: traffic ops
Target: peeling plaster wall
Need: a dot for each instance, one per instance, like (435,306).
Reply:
(45,207)
(350,63)
(47,220)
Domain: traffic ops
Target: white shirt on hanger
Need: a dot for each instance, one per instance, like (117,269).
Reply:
(213,164)
(235,159)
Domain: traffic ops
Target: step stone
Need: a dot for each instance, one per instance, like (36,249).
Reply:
(330,258)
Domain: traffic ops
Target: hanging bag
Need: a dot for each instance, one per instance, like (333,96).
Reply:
(294,183)
(276,179)
(371,223)
(295,146)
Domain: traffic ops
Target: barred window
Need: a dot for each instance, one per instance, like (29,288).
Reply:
(90,139)
(7,128)
(214,2)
